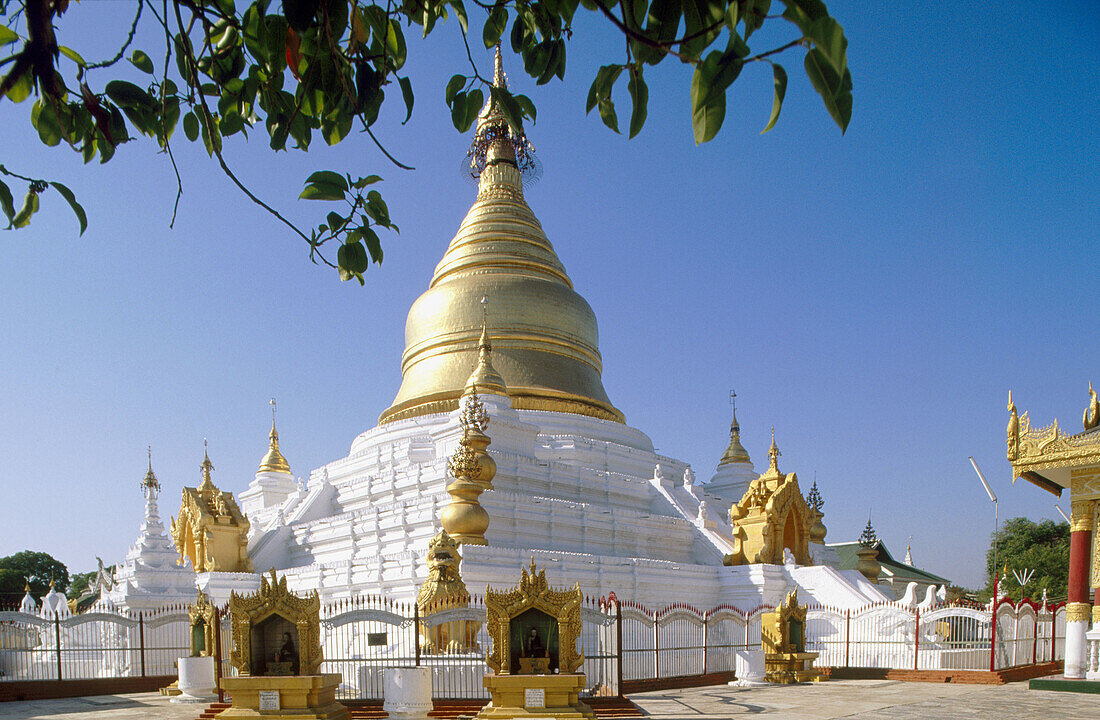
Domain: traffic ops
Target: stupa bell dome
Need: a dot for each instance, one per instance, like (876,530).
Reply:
(544,337)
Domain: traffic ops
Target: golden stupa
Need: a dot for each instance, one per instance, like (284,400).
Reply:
(544,338)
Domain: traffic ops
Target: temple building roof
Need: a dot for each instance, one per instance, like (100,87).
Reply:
(1053,459)
(545,341)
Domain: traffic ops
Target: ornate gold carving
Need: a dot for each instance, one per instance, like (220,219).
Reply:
(1078,612)
(444,590)
(1044,448)
(783,636)
(772,515)
(202,616)
(472,470)
(211,531)
(273,598)
(533,592)
(1081,515)
(1096,615)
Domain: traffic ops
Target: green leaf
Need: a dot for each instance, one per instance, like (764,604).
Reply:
(607,114)
(407,94)
(828,36)
(374,245)
(44,120)
(639,97)
(352,262)
(191,126)
(460,13)
(456,83)
(526,106)
(835,91)
(321,192)
(803,12)
(336,221)
(128,95)
(21,89)
(365,181)
(328,177)
(30,207)
(494,26)
(508,107)
(602,85)
(7,203)
(780,76)
(71,199)
(458,112)
(7,35)
(708,100)
(73,55)
(376,208)
(142,62)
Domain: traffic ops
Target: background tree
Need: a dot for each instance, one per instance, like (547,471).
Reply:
(37,568)
(1026,545)
(299,69)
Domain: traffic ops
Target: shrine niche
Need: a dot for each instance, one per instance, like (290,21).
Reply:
(203,618)
(534,660)
(274,631)
(783,635)
(770,517)
(211,531)
(441,592)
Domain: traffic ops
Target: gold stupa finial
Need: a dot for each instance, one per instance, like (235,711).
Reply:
(472,470)
(150,483)
(1091,417)
(26,585)
(485,378)
(735,452)
(773,454)
(274,461)
(207,467)
(499,80)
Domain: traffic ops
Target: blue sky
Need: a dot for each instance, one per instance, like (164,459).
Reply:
(873,296)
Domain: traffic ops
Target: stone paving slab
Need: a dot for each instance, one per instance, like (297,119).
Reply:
(849,699)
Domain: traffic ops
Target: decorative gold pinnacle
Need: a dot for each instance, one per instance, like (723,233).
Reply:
(274,461)
(485,378)
(773,455)
(1091,418)
(207,468)
(735,452)
(150,483)
(472,470)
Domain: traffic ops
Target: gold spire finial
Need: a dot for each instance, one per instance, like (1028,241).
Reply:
(26,585)
(150,482)
(274,461)
(207,467)
(773,454)
(499,80)
(485,378)
(735,452)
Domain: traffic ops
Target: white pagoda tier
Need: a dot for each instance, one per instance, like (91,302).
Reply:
(577,488)
(149,577)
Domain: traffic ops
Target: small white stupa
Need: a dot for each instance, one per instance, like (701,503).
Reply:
(149,577)
(28,605)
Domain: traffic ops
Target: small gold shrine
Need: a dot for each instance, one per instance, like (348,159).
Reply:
(211,531)
(770,517)
(534,659)
(203,618)
(277,652)
(783,635)
(444,590)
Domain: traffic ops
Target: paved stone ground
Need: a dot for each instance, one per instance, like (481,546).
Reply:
(852,699)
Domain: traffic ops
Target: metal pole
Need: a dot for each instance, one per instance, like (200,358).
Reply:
(57,639)
(993,625)
(141,641)
(416,631)
(619,646)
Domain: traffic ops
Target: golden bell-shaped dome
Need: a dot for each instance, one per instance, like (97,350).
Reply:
(544,338)
(274,461)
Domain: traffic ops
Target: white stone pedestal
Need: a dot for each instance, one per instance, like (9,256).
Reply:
(749,668)
(196,681)
(408,692)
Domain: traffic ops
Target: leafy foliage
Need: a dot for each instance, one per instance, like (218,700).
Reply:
(35,568)
(298,70)
(1026,545)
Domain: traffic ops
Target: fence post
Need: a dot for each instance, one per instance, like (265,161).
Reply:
(1053,633)
(57,639)
(1035,641)
(416,631)
(847,635)
(141,640)
(916,643)
(993,633)
(706,625)
(218,653)
(656,648)
(619,646)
